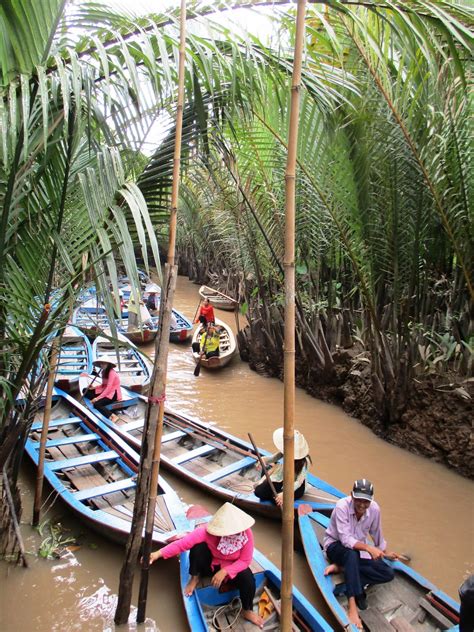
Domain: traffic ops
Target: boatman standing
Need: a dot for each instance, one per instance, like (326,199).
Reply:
(354,519)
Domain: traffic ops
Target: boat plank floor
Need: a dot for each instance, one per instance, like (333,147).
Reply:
(375,621)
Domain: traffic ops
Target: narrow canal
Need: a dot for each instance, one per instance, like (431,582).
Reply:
(427,510)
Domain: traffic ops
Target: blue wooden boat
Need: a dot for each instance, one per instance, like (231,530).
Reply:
(408,603)
(133,367)
(75,357)
(91,324)
(94,471)
(202,607)
(210,458)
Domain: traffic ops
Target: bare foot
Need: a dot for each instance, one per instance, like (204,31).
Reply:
(253,617)
(332,568)
(353,614)
(191,585)
(113,418)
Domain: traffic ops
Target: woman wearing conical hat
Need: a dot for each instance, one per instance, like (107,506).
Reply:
(109,391)
(302,461)
(223,550)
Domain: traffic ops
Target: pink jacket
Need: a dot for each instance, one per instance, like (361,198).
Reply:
(110,386)
(233,563)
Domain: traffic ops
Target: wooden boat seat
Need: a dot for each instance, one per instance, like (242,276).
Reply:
(171,436)
(132,425)
(57,422)
(229,469)
(375,620)
(435,613)
(108,488)
(83,460)
(401,625)
(54,443)
(192,454)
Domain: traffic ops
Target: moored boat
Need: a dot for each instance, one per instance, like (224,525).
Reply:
(408,603)
(206,609)
(217,299)
(210,458)
(227,347)
(94,471)
(75,357)
(91,324)
(133,367)
(147,332)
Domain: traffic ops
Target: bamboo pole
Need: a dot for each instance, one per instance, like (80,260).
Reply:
(147,483)
(44,430)
(289,346)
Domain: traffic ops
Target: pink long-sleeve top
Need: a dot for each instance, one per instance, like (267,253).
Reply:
(110,386)
(233,563)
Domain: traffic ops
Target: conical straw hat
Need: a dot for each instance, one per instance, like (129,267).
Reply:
(301,445)
(152,287)
(229,520)
(105,362)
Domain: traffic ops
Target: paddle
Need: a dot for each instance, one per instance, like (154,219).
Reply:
(197,370)
(264,468)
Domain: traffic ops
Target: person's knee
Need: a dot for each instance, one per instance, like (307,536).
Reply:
(389,573)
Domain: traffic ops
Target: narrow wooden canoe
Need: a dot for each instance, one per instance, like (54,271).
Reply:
(91,324)
(210,458)
(217,300)
(94,471)
(133,367)
(180,329)
(409,602)
(227,347)
(139,336)
(204,616)
(75,357)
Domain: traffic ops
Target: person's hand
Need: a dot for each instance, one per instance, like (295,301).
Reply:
(218,578)
(390,555)
(375,553)
(153,557)
(93,401)
(279,499)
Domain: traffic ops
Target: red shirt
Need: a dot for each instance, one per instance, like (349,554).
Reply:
(208,312)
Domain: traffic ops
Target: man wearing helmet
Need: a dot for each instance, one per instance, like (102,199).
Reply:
(347,546)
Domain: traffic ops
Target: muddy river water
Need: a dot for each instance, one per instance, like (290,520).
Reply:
(427,510)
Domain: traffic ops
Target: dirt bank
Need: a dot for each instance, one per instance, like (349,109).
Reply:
(436,422)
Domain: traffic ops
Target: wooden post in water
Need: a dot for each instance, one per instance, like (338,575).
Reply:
(44,431)
(147,483)
(289,347)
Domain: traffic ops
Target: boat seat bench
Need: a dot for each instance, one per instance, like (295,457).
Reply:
(172,436)
(108,488)
(193,454)
(83,460)
(229,469)
(54,443)
(57,422)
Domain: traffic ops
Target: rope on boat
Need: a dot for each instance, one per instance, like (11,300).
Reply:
(234,605)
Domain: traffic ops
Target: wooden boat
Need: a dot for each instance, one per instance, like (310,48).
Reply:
(75,357)
(180,328)
(91,324)
(227,347)
(205,613)
(217,300)
(147,333)
(408,603)
(210,458)
(94,471)
(132,366)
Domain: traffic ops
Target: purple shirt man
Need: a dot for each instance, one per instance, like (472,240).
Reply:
(347,529)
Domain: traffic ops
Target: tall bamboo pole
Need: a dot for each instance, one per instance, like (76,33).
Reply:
(147,483)
(289,348)
(44,431)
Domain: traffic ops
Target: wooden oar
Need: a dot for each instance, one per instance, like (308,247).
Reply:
(197,370)
(264,468)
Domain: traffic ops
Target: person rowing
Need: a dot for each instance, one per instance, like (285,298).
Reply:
(347,546)
(206,314)
(223,550)
(302,461)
